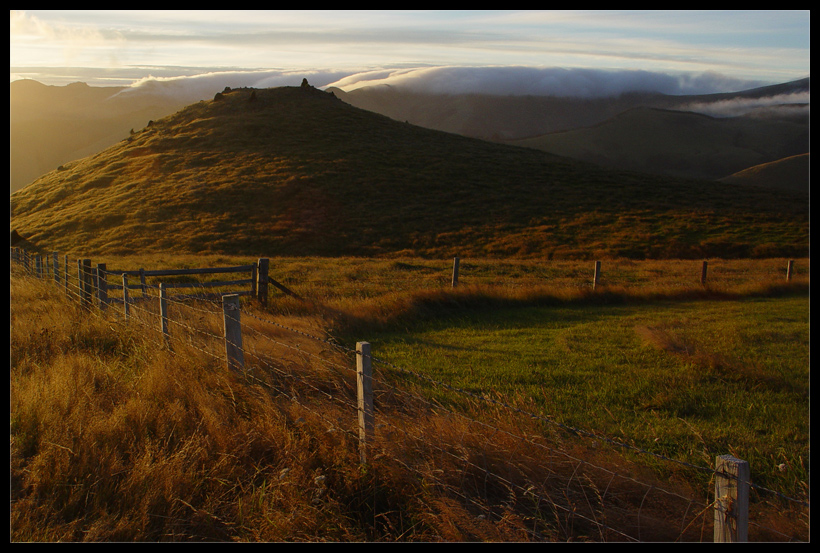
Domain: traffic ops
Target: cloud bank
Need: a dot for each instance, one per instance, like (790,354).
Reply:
(549,81)
(740,106)
(495,80)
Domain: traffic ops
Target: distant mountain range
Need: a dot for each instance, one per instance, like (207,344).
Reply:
(297,171)
(50,125)
(639,131)
(681,143)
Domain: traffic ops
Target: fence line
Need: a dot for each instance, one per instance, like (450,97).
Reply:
(732,480)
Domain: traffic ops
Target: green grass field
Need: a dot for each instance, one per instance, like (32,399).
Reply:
(687,380)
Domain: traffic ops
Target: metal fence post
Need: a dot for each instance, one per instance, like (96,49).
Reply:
(364,382)
(163,314)
(233,333)
(125,299)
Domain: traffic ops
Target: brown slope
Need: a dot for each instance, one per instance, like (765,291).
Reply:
(791,174)
(292,171)
(52,125)
(514,117)
(678,143)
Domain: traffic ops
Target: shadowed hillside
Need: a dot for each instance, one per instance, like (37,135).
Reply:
(791,173)
(296,171)
(679,143)
(515,117)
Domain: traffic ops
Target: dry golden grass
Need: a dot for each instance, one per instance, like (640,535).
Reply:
(116,438)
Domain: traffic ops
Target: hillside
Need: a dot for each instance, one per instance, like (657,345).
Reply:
(791,173)
(494,117)
(52,125)
(515,117)
(296,171)
(679,143)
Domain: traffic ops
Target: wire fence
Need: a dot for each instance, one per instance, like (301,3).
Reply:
(501,460)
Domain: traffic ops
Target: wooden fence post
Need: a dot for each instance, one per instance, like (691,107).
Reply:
(125,298)
(84,280)
(364,384)
(703,270)
(163,314)
(254,279)
(142,280)
(56,264)
(233,333)
(263,266)
(95,284)
(65,280)
(455,271)
(790,269)
(731,499)
(38,264)
(596,279)
(102,285)
(80,278)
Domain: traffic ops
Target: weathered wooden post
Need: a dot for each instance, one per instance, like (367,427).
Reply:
(56,264)
(596,279)
(38,264)
(163,314)
(364,384)
(731,499)
(703,270)
(84,281)
(125,299)
(790,269)
(65,280)
(262,268)
(80,278)
(255,266)
(95,283)
(102,285)
(142,281)
(233,333)
(455,271)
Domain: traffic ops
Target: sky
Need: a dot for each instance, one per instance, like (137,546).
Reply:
(584,53)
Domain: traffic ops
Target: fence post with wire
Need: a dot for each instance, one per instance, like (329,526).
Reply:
(732,475)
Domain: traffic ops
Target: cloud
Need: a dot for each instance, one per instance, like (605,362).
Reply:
(495,80)
(742,106)
(553,81)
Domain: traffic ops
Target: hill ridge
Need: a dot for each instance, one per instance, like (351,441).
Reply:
(296,171)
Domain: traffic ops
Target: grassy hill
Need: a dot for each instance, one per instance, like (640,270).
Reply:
(296,171)
(52,125)
(514,117)
(791,173)
(679,143)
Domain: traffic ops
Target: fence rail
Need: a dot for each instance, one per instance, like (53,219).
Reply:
(374,421)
